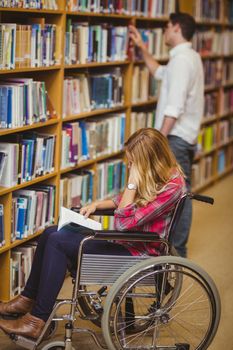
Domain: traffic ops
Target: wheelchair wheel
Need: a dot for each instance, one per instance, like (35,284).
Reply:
(185,316)
(55,345)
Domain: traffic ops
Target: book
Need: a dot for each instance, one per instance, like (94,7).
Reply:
(3,156)
(2,232)
(68,216)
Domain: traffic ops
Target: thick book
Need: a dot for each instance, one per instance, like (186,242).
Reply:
(68,216)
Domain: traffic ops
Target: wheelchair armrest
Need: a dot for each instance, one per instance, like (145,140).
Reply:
(98,212)
(127,236)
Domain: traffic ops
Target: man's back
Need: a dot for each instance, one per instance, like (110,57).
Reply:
(182,92)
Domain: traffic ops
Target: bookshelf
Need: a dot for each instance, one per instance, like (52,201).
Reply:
(141,108)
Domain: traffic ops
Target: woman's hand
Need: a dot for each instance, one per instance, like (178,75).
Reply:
(88,209)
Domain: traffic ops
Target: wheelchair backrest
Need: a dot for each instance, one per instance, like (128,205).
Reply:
(176,216)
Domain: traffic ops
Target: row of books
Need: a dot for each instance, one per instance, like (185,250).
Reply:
(20,266)
(227,74)
(144,86)
(226,101)
(32,210)
(225,132)
(86,92)
(209,10)
(95,43)
(31,157)
(76,189)
(212,72)
(23,101)
(210,42)
(2,227)
(145,8)
(211,105)
(202,171)
(210,135)
(30,4)
(154,41)
(140,120)
(206,42)
(110,178)
(29,45)
(92,138)
(207,138)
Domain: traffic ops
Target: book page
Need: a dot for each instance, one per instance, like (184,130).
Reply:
(68,216)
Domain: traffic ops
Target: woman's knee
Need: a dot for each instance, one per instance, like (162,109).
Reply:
(47,232)
(65,240)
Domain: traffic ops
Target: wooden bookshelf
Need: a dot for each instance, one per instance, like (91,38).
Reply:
(54,77)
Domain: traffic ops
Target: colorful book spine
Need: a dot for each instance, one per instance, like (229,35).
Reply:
(2,228)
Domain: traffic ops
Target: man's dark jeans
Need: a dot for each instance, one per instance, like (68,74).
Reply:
(184,153)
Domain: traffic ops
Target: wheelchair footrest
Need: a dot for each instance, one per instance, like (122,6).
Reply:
(89,317)
(25,343)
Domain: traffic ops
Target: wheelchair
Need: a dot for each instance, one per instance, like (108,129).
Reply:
(140,302)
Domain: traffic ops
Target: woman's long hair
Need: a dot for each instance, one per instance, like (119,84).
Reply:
(153,161)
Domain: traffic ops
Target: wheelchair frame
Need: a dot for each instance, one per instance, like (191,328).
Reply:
(119,268)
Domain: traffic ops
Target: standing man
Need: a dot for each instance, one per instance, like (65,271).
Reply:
(181,101)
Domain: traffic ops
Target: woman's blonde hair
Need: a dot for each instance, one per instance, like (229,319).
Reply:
(153,163)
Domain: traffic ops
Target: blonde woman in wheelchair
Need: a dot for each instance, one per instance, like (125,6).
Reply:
(155,301)
(155,184)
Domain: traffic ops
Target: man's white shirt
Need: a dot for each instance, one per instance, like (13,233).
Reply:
(181,92)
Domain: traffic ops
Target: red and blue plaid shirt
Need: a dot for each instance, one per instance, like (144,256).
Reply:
(154,217)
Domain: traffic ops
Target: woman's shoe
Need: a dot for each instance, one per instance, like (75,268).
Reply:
(27,326)
(17,306)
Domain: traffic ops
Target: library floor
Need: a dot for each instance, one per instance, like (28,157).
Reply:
(210,245)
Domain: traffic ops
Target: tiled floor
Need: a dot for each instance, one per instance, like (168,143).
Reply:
(210,245)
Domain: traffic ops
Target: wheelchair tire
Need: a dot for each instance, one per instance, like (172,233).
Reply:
(55,345)
(190,319)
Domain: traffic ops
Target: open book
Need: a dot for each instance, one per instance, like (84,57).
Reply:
(68,216)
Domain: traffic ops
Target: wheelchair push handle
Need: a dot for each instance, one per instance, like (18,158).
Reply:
(202,198)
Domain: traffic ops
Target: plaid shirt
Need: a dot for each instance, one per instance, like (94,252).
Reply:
(154,217)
